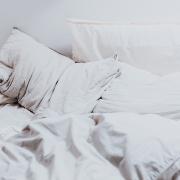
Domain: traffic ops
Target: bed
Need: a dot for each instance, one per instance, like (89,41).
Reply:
(110,113)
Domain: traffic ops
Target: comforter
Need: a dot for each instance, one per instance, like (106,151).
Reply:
(92,147)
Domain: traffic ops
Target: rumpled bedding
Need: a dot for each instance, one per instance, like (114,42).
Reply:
(34,70)
(12,119)
(37,73)
(140,91)
(14,115)
(93,147)
(82,84)
(65,87)
(5,72)
(32,83)
(54,147)
(71,144)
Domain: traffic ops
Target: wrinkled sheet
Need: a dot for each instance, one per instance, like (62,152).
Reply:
(93,147)
(54,148)
(142,147)
(12,119)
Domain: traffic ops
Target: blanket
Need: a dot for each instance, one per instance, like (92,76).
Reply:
(92,147)
(54,148)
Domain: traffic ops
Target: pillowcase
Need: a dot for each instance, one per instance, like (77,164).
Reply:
(154,47)
(82,85)
(35,70)
(142,92)
(5,72)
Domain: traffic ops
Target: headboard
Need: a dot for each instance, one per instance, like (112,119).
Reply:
(46,19)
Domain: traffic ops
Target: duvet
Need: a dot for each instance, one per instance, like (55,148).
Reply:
(92,147)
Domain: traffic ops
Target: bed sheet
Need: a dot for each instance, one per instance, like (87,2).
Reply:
(13,118)
(93,147)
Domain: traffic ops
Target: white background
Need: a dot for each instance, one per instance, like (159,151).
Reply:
(46,19)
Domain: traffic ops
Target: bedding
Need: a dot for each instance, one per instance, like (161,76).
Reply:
(12,119)
(35,70)
(5,72)
(153,47)
(140,146)
(6,100)
(61,140)
(72,147)
(4,76)
(82,84)
(39,73)
(139,91)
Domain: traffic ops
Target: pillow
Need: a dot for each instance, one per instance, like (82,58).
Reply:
(5,72)
(35,70)
(155,48)
(82,85)
(142,92)
(41,78)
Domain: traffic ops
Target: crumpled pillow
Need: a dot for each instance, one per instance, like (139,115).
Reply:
(42,78)
(35,70)
(5,73)
(82,84)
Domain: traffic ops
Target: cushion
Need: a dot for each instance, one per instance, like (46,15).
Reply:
(142,92)
(35,70)
(153,47)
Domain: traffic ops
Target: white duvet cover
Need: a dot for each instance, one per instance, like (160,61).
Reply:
(71,147)
(12,119)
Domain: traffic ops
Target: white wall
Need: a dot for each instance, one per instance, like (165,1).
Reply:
(45,19)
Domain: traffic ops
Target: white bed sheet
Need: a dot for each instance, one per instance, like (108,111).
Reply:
(122,146)
(13,118)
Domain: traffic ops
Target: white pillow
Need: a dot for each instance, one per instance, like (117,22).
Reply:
(82,85)
(41,78)
(35,70)
(142,92)
(155,48)
(5,72)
